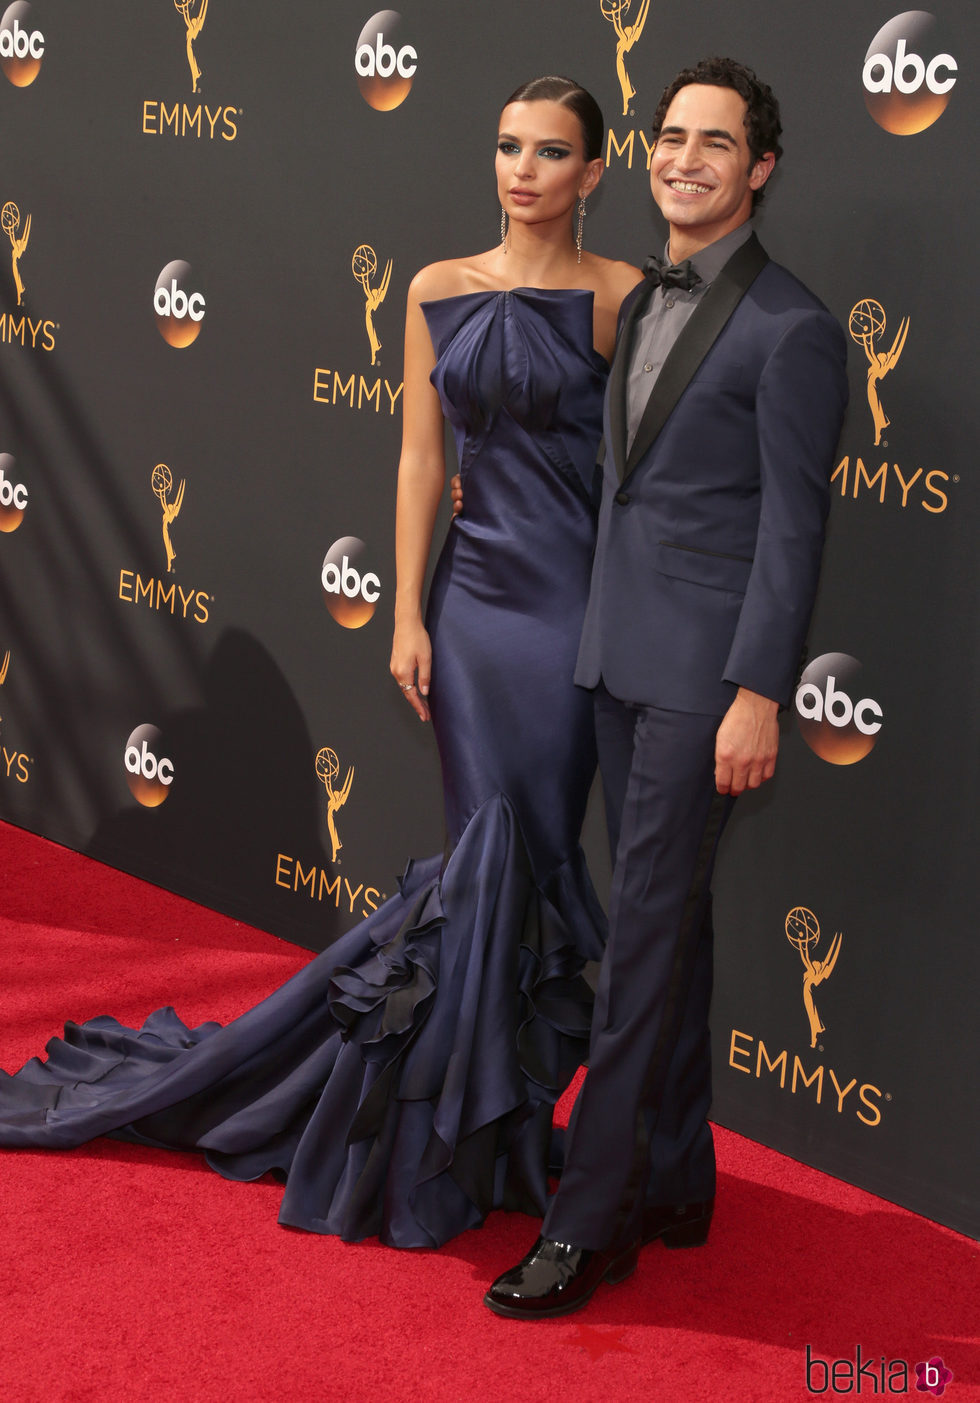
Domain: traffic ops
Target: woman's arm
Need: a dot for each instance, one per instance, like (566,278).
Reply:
(421,480)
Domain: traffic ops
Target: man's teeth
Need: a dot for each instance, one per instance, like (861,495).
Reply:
(688,187)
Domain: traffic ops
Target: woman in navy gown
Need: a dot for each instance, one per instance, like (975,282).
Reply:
(404,1080)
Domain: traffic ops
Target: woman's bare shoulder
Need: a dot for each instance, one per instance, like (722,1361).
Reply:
(618,278)
(451,277)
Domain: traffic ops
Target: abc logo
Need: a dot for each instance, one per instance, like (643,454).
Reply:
(837,723)
(906,81)
(351,595)
(179,310)
(385,67)
(13,495)
(21,45)
(149,773)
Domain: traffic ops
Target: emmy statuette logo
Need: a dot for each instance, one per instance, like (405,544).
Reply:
(193,16)
(11,225)
(13,495)
(872,477)
(20,326)
(627,35)
(904,91)
(21,45)
(803,933)
(14,764)
(165,595)
(357,391)
(628,19)
(179,312)
(805,1077)
(327,885)
(364,265)
(328,770)
(161,480)
(385,67)
(867,327)
(196,121)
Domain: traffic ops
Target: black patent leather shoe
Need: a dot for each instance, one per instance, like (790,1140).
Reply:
(557,1277)
(679,1225)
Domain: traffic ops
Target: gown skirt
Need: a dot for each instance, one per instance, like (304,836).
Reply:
(403,1082)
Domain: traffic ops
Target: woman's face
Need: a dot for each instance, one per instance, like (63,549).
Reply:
(541,166)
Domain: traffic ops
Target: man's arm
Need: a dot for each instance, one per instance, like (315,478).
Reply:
(800,407)
(800,402)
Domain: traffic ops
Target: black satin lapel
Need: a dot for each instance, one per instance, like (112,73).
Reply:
(618,379)
(696,340)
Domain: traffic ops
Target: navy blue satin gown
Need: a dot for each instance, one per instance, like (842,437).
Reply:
(404,1080)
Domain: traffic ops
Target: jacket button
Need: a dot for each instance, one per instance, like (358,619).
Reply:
(622,498)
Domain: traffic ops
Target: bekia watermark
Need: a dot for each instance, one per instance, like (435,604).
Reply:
(875,1376)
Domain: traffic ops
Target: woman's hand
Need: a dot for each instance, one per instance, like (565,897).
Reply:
(411,665)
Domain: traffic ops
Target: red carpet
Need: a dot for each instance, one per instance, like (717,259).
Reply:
(129,1275)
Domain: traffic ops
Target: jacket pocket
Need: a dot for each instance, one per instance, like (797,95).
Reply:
(716,569)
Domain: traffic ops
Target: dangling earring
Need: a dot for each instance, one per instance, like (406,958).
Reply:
(503,227)
(581,221)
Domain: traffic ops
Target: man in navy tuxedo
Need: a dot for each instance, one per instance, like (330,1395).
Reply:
(723,411)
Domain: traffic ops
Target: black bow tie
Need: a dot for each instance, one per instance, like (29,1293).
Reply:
(663,274)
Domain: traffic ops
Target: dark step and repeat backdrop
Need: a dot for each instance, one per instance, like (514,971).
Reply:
(210,215)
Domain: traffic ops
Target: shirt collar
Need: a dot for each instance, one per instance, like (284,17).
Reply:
(709,262)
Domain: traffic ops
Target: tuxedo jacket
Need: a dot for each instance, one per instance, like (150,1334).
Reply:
(711,527)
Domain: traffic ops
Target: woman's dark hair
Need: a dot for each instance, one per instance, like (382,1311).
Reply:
(762,125)
(573,96)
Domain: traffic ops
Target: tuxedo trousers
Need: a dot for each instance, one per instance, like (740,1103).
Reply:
(639,1133)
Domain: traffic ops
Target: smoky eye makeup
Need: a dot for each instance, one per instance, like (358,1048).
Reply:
(551,150)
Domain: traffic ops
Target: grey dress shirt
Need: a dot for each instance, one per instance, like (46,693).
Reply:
(663,321)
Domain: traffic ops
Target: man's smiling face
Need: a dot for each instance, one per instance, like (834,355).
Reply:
(702,173)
